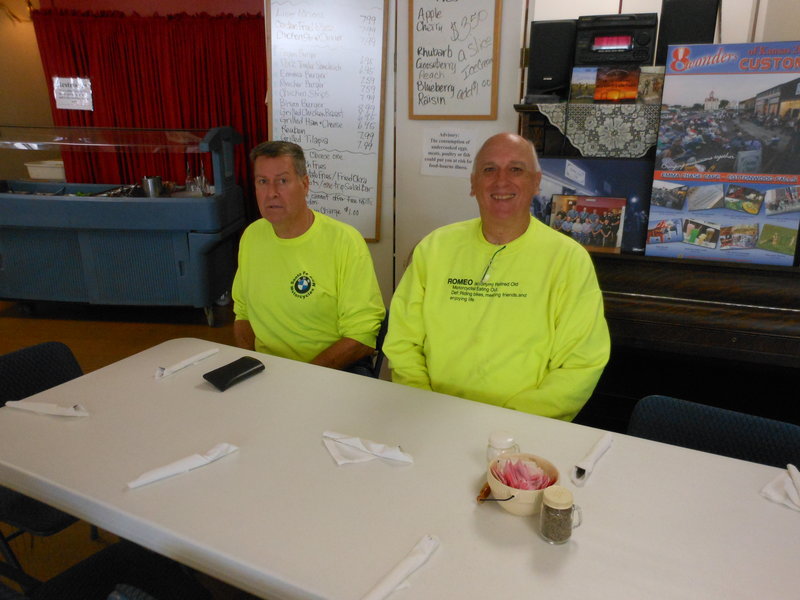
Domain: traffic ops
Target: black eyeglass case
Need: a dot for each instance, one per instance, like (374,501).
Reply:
(227,375)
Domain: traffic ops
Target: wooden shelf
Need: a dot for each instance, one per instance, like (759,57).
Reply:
(745,312)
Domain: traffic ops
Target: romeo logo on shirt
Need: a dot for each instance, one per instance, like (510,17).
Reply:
(302,285)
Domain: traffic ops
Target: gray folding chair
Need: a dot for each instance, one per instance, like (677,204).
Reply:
(370,366)
(378,354)
(716,430)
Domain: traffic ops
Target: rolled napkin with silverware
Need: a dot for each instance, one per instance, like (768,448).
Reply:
(47,408)
(581,471)
(348,449)
(396,578)
(162,372)
(785,488)
(183,465)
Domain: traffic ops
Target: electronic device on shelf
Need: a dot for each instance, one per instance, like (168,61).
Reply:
(685,22)
(616,39)
(550,58)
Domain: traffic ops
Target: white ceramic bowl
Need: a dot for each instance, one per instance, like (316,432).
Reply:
(522,502)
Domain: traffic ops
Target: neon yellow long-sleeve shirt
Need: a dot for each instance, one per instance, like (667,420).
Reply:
(303,294)
(519,326)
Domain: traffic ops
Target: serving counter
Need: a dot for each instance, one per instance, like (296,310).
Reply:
(108,244)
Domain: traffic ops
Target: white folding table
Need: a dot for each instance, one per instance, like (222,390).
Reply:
(281,520)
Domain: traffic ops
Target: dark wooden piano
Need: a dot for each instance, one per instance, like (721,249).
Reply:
(718,333)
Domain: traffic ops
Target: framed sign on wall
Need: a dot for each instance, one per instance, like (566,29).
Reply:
(453,59)
(326,85)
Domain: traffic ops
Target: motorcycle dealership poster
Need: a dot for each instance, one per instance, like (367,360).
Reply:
(726,184)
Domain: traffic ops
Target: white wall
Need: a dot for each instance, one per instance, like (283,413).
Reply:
(552,10)
(24,100)
(383,250)
(778,21)
(736,23)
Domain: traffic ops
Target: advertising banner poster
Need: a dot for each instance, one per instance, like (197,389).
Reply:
(726,184)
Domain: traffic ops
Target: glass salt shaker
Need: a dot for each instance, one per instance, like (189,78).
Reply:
(202,182)
(191,182)
(559,516)
(500,442)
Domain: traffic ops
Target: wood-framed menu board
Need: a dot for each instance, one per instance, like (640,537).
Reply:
(453,59)
(325,64)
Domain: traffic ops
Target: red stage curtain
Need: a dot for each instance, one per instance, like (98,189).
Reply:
(160,72)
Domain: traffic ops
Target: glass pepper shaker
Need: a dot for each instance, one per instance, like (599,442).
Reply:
(559,516)
(500,442)
(190,184)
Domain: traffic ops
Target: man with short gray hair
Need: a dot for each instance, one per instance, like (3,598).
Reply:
(305,287)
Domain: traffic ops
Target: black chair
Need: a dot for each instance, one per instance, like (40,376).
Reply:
(370,366)
(377,362)
(716,430)
(23,373)
(131,571)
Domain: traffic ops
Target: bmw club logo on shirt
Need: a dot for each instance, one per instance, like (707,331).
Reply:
(302,285)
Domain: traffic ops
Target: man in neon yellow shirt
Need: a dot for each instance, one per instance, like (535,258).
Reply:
(305,288)
(501,309)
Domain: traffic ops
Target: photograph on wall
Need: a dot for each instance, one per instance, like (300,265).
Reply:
(775,238)
(700,233)
(629,179)
(783,200)
(651,85)
(738,236)
(727,160)
(594,222)
(665,231)
(744,199)
(581,87)
(617,83)
(668,195)
(704,197)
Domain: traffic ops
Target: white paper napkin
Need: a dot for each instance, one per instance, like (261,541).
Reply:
(395,579)
(347,449)
(45,408)
(581,471)
(192,360)
(785,488)
(183,465)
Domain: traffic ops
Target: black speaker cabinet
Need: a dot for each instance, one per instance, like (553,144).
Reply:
(550,59)
(685,22)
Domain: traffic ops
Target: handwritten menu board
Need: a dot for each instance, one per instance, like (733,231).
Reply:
(453,59)
(326,85)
